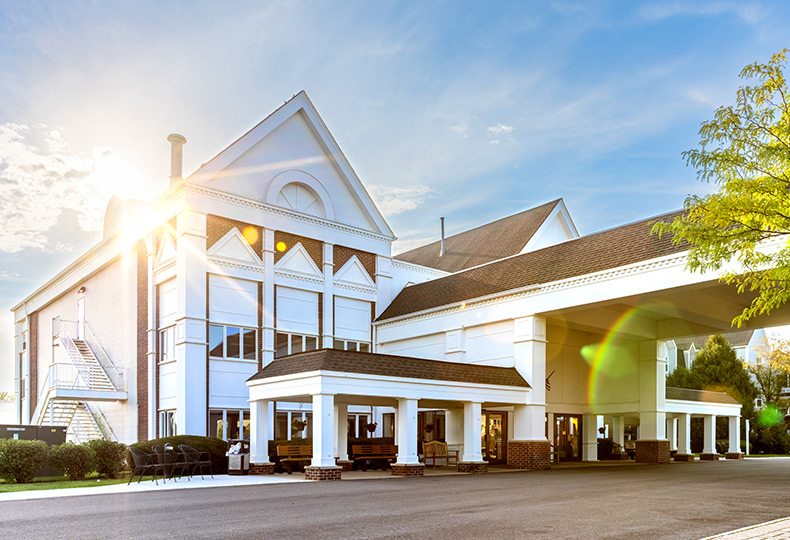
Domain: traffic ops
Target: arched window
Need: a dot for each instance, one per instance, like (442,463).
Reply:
(301,198)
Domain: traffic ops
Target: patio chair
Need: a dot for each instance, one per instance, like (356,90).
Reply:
(168,458)
(145,462)
(195,459)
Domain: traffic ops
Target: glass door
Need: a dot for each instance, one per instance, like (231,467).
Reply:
(567,436)
(494,436)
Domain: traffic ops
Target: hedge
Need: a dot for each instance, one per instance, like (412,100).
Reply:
(212,445)
(110,457)
(73,460)
(20,460)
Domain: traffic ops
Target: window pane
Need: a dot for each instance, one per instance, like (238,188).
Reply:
(352,426)
(233,342)
(339,344)
(309,428)
(364,347)
(311,343)
(351,345)
(296,344)
(250,343)
(215,341)
(362,422)
(215,428)
(282,345)
(281,426)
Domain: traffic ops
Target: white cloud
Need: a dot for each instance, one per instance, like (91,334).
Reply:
(40,179)
(500,129)
(748,12)
(393,200)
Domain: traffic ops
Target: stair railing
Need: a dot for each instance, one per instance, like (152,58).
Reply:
(101,422)
(116,375)
(61,332)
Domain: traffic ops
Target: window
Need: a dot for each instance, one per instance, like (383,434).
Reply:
(346,345)
(232,342)
(167,423)
(294,343)
(388,424)
(167,344)
(284,428)
(21,389)
(229,424)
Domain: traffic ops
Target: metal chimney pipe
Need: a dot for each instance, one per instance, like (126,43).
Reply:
(442,250)
(176,156)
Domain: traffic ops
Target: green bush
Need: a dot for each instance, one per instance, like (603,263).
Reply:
(770,440)
(73,460)
(110,457)
(21,460)
(215,447)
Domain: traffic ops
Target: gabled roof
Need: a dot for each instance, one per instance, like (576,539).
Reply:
(490,242)
(613,248)
(707,396)
(390,366)
(736,339)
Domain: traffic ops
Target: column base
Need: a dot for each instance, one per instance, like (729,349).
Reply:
(652,451)
(733,455)
(345,464)
(408,469)
(261,468)
(684,457)
(709,457)
(472,466)
(529,455)
(322,473)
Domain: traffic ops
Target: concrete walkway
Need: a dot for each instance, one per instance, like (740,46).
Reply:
(779,529)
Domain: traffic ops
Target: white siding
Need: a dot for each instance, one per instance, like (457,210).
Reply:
(168,303)
(227,388)
(352,319)
(233,301)
(297,311)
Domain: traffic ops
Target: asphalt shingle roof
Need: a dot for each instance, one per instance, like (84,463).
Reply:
(390,365)
(490,242)
(613,248)
(736,339)
(688,394)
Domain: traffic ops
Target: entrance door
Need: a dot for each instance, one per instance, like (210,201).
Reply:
(568,436)
(494,436)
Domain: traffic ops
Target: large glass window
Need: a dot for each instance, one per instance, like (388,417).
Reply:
(347,345)
(232,342)
(294,343)
(167,344)
(229,424)
(167,423)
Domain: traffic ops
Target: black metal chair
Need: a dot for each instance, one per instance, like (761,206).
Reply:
(195,458)
(168,459)
(145,462)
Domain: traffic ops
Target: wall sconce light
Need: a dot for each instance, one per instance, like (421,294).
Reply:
(81,290)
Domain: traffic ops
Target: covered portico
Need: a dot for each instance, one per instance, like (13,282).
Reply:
(333,379)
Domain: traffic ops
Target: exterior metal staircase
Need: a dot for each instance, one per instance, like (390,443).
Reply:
(83,375)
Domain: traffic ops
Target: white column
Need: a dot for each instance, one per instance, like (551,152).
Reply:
(709,438)
(329,298)
(191,406)
(323,430)
(748,432)
(397,423)
(618,430)
(150,246)
(259,431)
(267,353)
(589,437)
(454,428)
(684,433)
(341,431)
(383,283)
(735,435)
(406,432)
(529,349)
(671,432)
(473,418)
(550,425)
(652,390)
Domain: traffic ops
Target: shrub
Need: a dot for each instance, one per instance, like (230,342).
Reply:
(110,457)
(770,440)
(73,460)
(21,460)
(215,447)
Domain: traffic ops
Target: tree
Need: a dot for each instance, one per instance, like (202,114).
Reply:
(746,150)
(6,396)
(772,370)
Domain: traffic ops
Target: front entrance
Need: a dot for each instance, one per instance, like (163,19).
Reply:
(568,437)
(494,437)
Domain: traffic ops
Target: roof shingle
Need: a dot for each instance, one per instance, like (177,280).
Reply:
(707,396)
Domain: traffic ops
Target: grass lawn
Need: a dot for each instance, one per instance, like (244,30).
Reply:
(60,482)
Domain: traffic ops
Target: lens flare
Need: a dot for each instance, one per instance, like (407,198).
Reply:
(770,416)
(281,246)
(250,234)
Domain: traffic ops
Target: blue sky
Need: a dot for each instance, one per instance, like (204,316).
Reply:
(471,111)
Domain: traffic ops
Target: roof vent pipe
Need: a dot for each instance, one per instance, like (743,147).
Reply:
(176,157)
(442,250)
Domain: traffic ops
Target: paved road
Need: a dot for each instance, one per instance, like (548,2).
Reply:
(676,501)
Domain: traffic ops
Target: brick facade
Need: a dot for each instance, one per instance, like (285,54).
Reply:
(217,227)
(261,468)
(142,342)
(684,457)
(32,322)
(473,468)
(709,457)
(416,469)
(529,455)
(322,473)
(733,455)
(341,255)
(314,248)
(652,451)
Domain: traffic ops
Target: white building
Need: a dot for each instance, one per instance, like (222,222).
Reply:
(272,258)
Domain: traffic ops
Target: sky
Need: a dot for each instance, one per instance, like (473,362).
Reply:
(467,110)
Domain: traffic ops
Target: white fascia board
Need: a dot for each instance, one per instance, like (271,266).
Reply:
(417,268)
(561,211)
(210,201)
(703,407)
(332,382)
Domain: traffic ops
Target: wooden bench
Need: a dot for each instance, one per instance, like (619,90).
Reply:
(290,455)
(434,450)
(375,454)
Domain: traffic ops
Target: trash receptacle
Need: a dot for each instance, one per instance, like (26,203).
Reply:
(238,457)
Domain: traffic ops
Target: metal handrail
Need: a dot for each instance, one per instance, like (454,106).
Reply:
(116,375)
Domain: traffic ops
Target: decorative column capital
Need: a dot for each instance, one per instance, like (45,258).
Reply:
(532,328)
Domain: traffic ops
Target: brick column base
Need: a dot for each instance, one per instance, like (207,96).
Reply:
(709,457)
(472,466)
(529,455)
(345,464)
(733,455)
(322,473)
(652,451)
(684,457)
(408,469)
(261,468)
